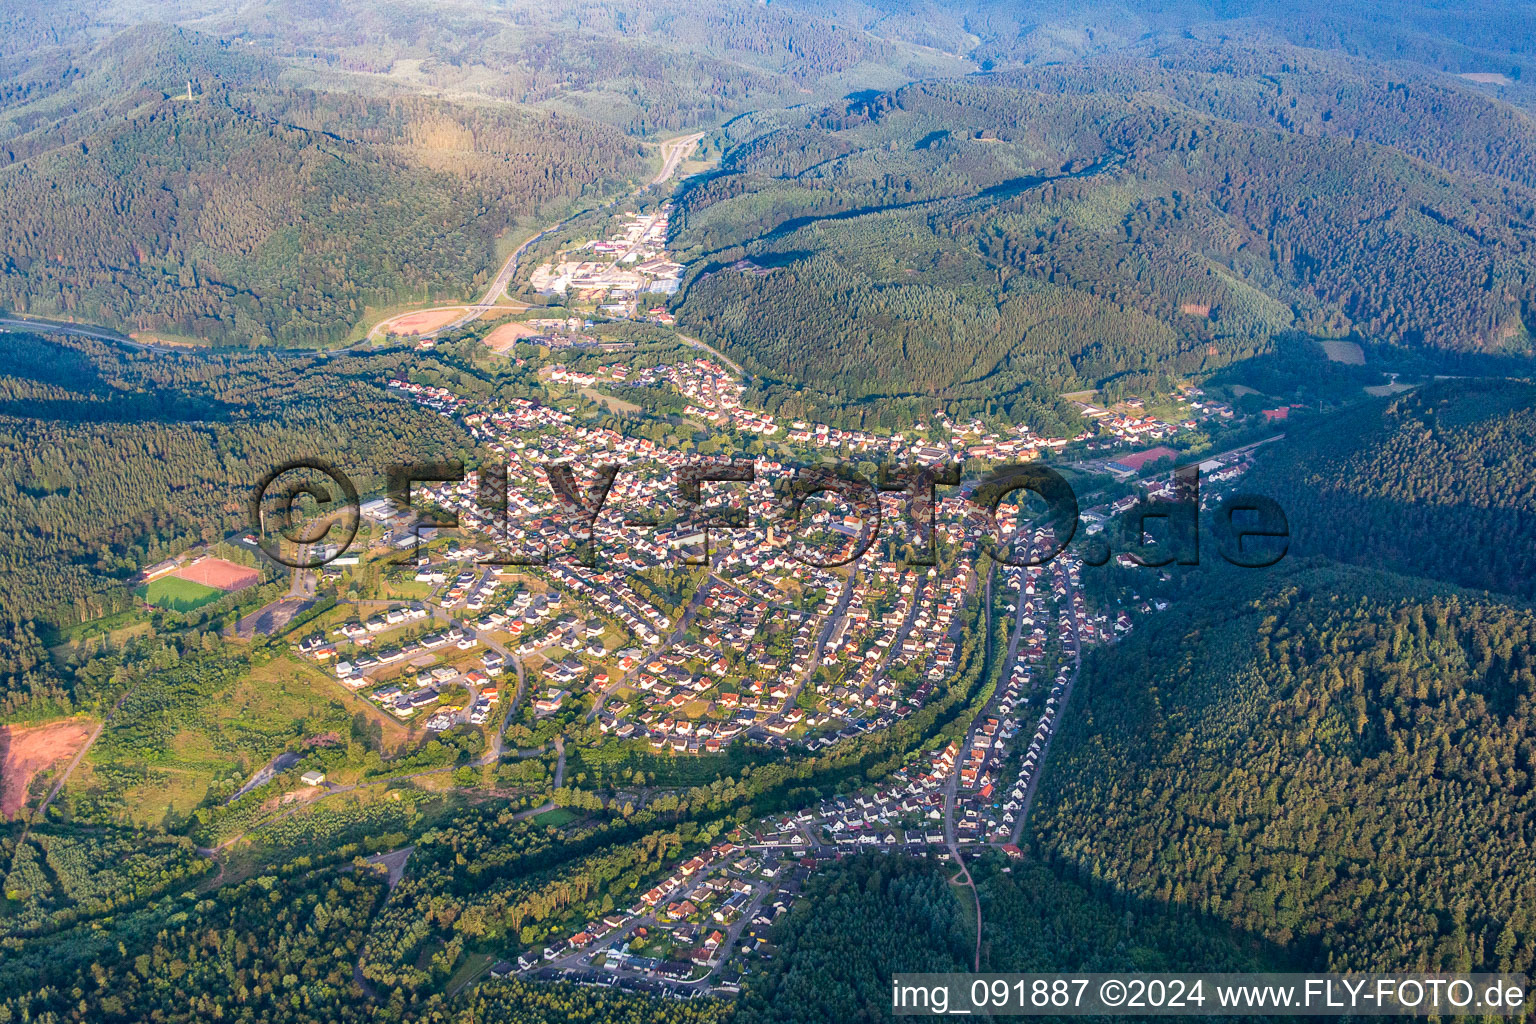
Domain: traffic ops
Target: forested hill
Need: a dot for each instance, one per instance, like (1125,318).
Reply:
(647,67)
(650,67)
(1439,483)
(1488,38)
(113,460)
(970,241)
(1335,760)
(1316,92)
(868,917)
(259,214)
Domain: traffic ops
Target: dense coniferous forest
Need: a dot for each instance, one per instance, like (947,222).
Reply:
(1335,761)
(256,214)
(273,948)
(869,917)
(831,966)
(1438,482)
(977,241)
(263,950)
(905,205)
(115,459)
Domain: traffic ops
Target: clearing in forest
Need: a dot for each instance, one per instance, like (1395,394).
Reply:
(27,750)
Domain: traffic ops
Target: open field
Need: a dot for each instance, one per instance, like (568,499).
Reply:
(168,340)
(609,402)
(507,335)
(177,594)
(27,750)
(280,705)
(289,688)
(1348,352)
(424,321)
(1486,77)
(555,818)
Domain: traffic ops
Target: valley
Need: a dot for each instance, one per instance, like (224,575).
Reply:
(684,655)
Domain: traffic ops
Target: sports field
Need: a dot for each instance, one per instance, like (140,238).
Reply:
(216,572)
(177,594)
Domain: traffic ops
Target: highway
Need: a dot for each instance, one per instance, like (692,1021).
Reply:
(29,323)
(672,153)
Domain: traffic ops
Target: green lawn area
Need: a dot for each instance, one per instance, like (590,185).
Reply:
(473,966)
(177,594)
(556,817)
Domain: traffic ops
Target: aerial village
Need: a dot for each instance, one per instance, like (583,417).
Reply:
(766,647)
(685,626)
(759,647)
(617,273)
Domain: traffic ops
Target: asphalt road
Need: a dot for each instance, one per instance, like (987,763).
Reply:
(672,153)
(1066,701)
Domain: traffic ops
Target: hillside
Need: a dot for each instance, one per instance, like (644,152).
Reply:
(114,461)
(1438,483)
(261,214)
(653,67)
(1332,760)
(650,68)
(975,242)
(444,778)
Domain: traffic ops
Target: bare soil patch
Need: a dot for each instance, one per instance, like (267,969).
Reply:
(27,750)
(218,573)
(425,320)
(507,335)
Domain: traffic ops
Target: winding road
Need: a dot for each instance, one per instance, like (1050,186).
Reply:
(1066,702)
(30,323)
(672,153)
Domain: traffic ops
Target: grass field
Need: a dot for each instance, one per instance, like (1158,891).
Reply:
(473,966)
(177,594)
(556,817)
(1344,352)
(406,590)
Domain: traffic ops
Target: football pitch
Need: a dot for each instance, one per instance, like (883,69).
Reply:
(177,594)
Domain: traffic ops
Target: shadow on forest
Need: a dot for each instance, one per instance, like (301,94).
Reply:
(1048,916)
